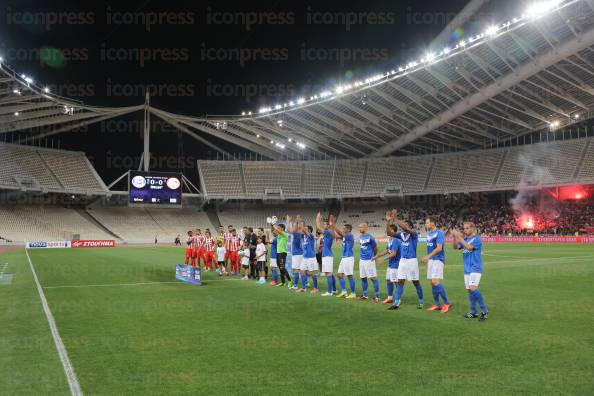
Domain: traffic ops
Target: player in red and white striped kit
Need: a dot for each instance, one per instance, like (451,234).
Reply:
(227,235)
(209,249)
(190,249)
(232,246)
(199,245)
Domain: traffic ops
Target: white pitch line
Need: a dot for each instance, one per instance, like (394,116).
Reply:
(110,285)
(130,284)
(75,389)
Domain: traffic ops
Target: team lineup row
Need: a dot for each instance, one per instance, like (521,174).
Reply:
(299,239)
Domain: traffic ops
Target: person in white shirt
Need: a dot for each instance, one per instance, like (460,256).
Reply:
(245,259)
(221,258)
(261,261)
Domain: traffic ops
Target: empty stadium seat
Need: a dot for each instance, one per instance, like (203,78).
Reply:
(262,175)
(54,170)
(221,177)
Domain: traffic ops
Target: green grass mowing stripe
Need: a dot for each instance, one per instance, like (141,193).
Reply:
(29,364)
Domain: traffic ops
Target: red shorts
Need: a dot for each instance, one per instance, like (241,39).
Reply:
(200,252)
(189,253)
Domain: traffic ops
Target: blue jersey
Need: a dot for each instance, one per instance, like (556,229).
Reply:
(309,249)
(367,247)
(348,242)
(394,245)
(473,259)
(434,239)
(273,248)
(296,245)
(409,244)
(327,244)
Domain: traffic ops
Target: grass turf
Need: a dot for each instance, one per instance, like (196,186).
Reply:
(233,337)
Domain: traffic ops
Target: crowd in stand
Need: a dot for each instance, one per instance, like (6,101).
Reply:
(560,218)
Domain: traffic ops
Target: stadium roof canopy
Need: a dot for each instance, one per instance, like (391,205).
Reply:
(533,72)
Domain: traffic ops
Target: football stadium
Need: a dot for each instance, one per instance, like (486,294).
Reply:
(419,223)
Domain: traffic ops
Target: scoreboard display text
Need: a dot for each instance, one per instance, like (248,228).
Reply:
(155,188)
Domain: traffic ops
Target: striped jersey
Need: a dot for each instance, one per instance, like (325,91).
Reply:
(209,243)
(233,244)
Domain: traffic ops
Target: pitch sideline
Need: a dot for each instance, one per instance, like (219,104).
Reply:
(73,384)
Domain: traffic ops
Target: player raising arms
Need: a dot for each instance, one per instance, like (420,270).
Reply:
(281,239)
(309,265)
(272,258)
(435,259)
(408,268)
(472,254)
(347,261)
(367,269)
(327,255)
(393,253)
(296,249)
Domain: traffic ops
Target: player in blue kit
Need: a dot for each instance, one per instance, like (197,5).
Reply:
(296,249)
(309,265)
(472,254)
(408,268)
(367,269)
(347,262)
(393,253)
(435,260)
(327,254)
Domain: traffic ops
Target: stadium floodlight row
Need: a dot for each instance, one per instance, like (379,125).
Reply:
(536,165)
(531,73)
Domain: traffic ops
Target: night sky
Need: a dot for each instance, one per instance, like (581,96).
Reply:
(209,58)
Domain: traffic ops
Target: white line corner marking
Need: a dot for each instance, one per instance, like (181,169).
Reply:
(66,364)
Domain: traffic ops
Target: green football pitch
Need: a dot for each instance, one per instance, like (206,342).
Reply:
(130,328)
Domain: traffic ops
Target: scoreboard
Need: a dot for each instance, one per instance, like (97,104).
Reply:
(155,188)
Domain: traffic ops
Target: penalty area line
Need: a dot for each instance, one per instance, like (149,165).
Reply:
(73,384)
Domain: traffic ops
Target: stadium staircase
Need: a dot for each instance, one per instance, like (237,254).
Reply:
(582,158)
(242,177)
(364,178)
(156,221)
(87,215)
(213,217)
(428,178)
(500,167)
(49,168)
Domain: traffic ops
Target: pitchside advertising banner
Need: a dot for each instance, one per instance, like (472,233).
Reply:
(48,244)
(93,244)
(523,239)
(70,244)
(189,274)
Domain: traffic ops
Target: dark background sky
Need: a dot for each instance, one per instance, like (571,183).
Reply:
(90,51)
